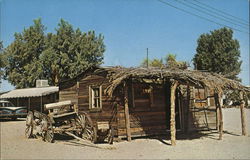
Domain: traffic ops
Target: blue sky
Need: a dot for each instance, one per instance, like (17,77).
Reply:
(129,26)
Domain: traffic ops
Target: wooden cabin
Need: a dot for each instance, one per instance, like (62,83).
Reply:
(140,101)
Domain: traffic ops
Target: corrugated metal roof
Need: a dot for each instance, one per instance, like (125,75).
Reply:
(30,92)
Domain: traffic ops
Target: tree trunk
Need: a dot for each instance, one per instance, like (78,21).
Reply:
(174,85)
(243,115)
(127,119)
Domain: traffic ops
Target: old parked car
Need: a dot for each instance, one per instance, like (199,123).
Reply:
(8,110)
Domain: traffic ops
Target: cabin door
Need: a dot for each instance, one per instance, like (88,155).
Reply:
(203,111)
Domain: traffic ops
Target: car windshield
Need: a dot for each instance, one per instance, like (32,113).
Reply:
(6,104)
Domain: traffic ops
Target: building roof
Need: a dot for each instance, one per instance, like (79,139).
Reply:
(30,92)
(118,75)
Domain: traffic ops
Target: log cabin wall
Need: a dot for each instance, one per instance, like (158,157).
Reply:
(147,110)
(149,106)
(68,93)
(80,92)
(108,110)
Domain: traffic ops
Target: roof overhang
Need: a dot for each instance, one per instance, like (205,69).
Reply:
(30,92)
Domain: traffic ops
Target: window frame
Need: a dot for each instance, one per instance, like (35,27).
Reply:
(92,97)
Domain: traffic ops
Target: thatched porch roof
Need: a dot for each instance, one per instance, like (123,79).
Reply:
(117,75)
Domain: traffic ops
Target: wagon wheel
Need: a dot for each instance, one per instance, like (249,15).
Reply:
(111,135)
(29,125)
(89,131)
(49,133)
(80,125)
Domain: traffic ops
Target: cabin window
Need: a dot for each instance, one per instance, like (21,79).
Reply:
(95,97)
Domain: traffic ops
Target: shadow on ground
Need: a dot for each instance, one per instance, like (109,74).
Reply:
(164,139)
(187,136)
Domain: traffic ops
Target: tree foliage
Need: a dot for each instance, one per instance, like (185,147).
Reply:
(23,56)
(54,56)
(2,61)
(158,63)
(170,62)
(218,52)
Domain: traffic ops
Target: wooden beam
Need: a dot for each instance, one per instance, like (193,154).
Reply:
(219,104)
(181,111)
(77,92)
(174,85)
(217,115)
(126,109)
(243,115)
(132,94)
(186,129)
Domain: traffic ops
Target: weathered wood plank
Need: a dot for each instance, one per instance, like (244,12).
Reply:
(126,111)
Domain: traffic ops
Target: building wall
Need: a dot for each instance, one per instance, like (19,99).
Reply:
(79,93)
(147,112)
(149,106)
(35,102)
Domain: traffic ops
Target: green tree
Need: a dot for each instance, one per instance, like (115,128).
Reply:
(171,62)
(157,63)
(70,52)
(218,52)
(2,62)
(23,53)
(54,56)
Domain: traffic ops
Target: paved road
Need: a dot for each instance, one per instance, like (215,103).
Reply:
(15,146)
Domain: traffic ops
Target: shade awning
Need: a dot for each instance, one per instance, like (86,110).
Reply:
(30,92)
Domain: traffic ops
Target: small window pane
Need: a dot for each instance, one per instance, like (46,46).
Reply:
(95,98)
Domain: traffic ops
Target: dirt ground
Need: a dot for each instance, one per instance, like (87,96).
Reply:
(233,146)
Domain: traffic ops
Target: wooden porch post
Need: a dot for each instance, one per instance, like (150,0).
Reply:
(126,109)
(218,102)
(187,110)
(243,115)
(174,85)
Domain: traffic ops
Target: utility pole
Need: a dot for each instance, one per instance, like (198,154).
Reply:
(147,57)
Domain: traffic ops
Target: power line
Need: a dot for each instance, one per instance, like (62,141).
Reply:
(196,15)
(202,11)
(225,13)
(225,18)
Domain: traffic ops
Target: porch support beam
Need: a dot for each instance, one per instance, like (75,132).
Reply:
(219,103)
(243,115)
(174,85)
(126,112)
(186,128)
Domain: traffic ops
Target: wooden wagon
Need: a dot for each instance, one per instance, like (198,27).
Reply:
(63,118)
